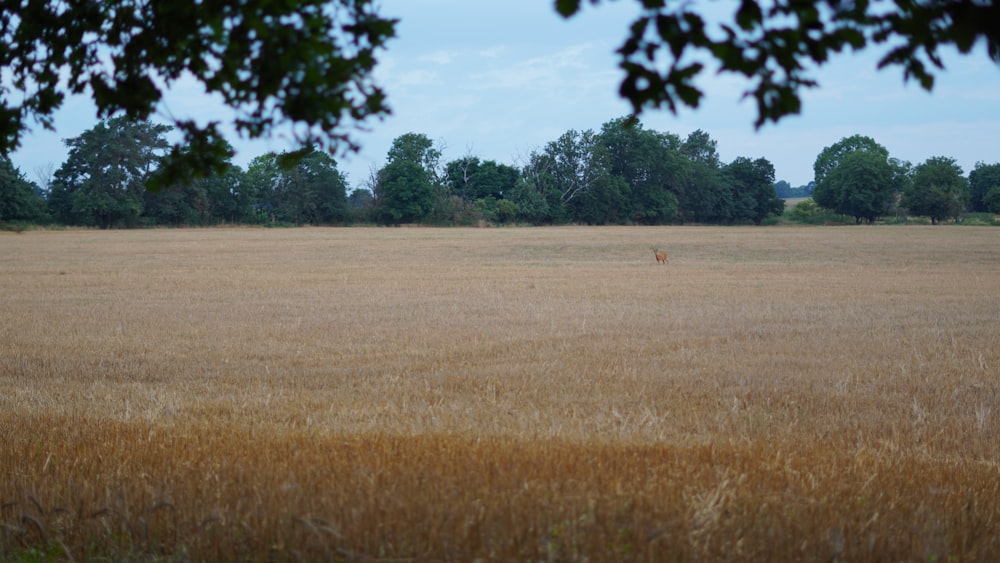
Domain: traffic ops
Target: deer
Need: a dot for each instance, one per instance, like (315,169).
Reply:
(661,257)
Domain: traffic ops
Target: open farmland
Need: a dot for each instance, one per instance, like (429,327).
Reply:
(807,394)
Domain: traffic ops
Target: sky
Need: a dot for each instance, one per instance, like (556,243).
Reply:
(497,80)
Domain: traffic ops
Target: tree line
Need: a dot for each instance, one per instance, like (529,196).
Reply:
(623,173)
(858,178)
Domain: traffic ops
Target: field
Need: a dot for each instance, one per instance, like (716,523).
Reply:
(362,394)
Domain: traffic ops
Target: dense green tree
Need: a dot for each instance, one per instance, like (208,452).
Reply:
(506,211)
(700,147)
(649,162)
(983,179)
(104,177)
(856,177)
(705,195)
(418,149)
(206,200)
(407,188)
(303,63)
(938,190)
(606,202)
(555,177)
(751,189)
(829,158)
(328,185)
(861,186)
(574,167)
(232,200)
(311,191)
(991,201)
(188,204)
(260,185)
(775,45)
(19,198)
(405,193)
(529,195)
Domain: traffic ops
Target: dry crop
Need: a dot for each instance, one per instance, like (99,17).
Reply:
(807,394)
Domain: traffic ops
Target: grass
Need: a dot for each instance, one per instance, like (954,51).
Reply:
(529,394)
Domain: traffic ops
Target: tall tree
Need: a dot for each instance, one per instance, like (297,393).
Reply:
(861,186)
(405,193)
(700,147)
(574,168)
(312,191)
(303,63)
(983,179)
(829,158)
(104,177)
(407,188)
(856,177)
(648,162)
(260,186)
(991,201)
(938,190)
(705,194)
(751,185)
(361,203)
(418,149)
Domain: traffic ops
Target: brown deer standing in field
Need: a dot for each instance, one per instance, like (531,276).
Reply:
(661,257)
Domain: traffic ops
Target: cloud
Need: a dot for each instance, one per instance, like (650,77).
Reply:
(439,57)
(492,52)
(416,77)
(550,73)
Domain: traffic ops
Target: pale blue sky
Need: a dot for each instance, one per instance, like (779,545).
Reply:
(499,79)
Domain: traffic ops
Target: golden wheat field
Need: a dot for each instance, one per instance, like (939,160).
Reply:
(528,394)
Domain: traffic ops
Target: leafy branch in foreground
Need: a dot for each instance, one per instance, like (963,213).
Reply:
(304,64)
(774,44)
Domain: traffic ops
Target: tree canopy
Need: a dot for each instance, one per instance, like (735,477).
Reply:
(938,189)
(103,179)
(405,191)
(984,187)
(856,177)
(18,197)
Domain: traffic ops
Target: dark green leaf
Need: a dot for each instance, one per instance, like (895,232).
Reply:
(567,8)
